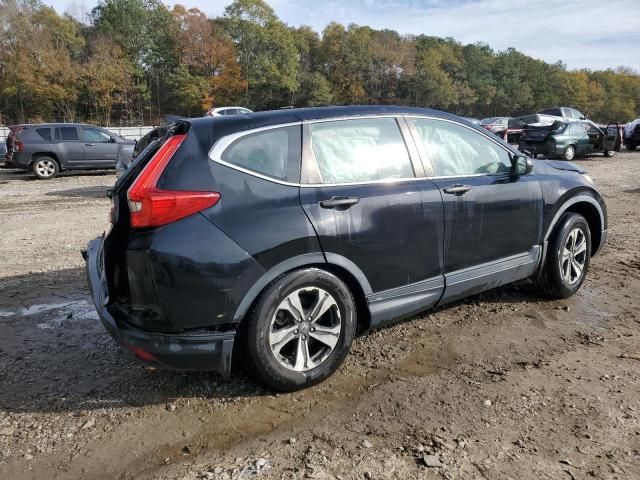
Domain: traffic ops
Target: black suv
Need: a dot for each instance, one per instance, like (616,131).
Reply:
(287,232)
(46,149)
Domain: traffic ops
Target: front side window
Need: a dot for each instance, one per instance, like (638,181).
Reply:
(96,136)
(360,150)
(455,150)
(269,152)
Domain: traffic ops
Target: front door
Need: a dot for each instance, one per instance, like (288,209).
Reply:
(492,218)
(99,149)
(369,208)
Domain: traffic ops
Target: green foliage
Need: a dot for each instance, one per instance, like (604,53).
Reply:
(137,60)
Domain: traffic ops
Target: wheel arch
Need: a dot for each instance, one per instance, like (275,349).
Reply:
(36,155)
(338,265)
(590,209)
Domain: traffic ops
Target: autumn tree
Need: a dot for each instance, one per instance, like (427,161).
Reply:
(266,52)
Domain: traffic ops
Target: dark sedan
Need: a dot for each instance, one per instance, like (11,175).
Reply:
(566,140)
(284,233)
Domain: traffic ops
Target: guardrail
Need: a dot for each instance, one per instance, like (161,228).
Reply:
(133,133)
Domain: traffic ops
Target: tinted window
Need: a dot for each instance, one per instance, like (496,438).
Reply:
(69,133)
(45,133)
(95,135)
(360,150)
(269,152)
(456,150)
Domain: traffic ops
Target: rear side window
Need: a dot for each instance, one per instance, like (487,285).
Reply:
(455,150)
(44,133)
(361,150)
(269,153)
(67,133)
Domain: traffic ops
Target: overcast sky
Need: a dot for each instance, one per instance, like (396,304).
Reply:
(593,34)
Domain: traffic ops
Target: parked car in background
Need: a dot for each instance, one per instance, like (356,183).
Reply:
(568,139)
(548,117)
(631,135)
(472,120)
(216,112)
(3,152)
(286,232)
(140,145)
(495,124)
(49,148)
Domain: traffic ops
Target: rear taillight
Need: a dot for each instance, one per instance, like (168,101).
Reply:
(18,146)
(152,207)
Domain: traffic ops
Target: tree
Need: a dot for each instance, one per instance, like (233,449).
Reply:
(266,52)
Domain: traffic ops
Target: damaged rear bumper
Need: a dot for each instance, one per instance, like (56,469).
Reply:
(195,351)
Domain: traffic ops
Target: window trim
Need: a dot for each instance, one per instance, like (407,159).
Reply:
(423,149)
(413,143)
(223,143)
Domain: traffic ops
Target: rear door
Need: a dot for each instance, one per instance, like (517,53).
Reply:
(369,208)
(580,138)
(70,146)
(492,218)
(99,149)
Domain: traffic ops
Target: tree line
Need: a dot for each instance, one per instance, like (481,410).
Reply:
(135,61)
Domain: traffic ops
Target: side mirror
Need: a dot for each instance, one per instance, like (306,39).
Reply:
(522,165)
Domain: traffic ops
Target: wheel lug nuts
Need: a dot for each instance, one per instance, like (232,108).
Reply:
(296,332)
(304,337)
(313,329)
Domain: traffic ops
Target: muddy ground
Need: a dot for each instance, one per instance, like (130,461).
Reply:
(503,385)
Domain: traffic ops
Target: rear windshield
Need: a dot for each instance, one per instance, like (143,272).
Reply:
(552,111)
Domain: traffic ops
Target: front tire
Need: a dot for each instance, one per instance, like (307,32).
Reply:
(300,330)
(45,168)
(609,153)
(569,153)
(631,148)
(568,257)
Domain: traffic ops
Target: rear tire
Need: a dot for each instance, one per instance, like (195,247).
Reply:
(631,148)
(609,153)
(569,153)
(568,257)
(300,330)
(45,168)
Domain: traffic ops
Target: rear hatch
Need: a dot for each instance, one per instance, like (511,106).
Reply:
(539,134)
(118,237)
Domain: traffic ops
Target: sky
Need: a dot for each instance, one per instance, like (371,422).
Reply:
(594,34)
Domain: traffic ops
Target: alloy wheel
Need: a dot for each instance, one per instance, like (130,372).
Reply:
(574,256)
(570,153)
(305,329)
(45,168)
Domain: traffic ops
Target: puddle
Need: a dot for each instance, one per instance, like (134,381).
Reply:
(57,313)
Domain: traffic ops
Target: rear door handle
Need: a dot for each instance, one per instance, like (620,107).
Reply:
(334,202)
(457,189)
(89,144)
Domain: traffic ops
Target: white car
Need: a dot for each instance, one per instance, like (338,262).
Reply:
(216,112)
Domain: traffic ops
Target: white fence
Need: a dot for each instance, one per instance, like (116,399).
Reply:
(133,133)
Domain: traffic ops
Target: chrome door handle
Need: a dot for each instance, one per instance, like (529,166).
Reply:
(457,189)
(334,202)
(89,144)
